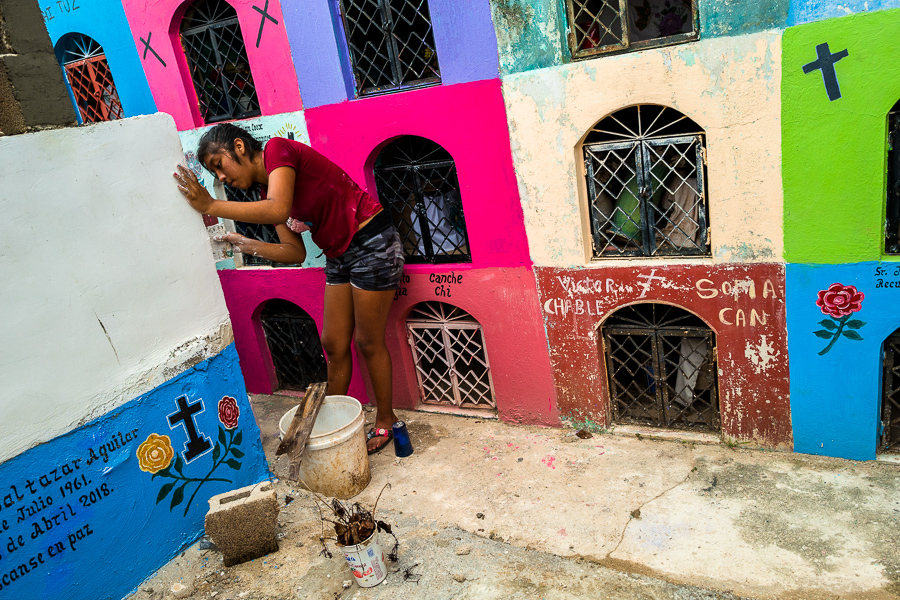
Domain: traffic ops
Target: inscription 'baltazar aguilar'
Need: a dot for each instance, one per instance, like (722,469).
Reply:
(50,502)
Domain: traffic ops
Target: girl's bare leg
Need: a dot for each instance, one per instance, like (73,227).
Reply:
(370,312)
(337,332)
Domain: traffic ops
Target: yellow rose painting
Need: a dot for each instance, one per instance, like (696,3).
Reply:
(155,454)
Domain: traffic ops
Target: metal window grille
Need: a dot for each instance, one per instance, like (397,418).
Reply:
(601,26)
(889,439)
(661,363)
(645,172)
(451,360)
(416,181)
(391,44)
(217,59)
(892,213)
(255,231)
(293,341)
(88,74)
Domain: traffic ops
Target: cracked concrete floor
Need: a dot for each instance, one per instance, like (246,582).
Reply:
(544,514)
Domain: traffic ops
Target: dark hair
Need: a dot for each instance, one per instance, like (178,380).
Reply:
(221,138)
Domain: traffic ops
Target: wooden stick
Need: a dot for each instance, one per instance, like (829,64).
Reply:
(294,442)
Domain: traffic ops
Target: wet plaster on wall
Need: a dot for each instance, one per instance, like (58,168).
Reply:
(730,87)
(127,297)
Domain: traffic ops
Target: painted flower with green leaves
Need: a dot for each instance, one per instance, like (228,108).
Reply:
(225,452)
(839,302)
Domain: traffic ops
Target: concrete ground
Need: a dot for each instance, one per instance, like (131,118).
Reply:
(489,510)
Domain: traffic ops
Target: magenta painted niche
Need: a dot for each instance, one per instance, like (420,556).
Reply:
(155,25)
(246,291)
(469,121)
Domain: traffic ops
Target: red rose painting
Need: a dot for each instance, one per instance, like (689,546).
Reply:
(229,412)
(839,302)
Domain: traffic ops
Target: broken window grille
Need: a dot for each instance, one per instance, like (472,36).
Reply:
(892,213)
(391,44)
(293,341)
(645,172)
(91,81)
(451,360)
(217,59)
(416,181)
(661,367)
(255,231)
(889,438)
(601,26)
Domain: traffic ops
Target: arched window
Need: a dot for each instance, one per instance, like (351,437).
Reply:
(254,231)
(889,438)
(661,367)
(214,48)
(600,26)
(293,341)
(892,214)
(646,184)
(90,79)
(451,360)
(391,44)
(416,181)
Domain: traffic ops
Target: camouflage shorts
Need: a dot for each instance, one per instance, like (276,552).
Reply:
(373,261)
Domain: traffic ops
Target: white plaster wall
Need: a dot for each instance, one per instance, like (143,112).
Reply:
(731,86)
(109,286)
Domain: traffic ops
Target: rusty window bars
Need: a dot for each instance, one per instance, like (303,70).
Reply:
(661,368)
(214,47)
(416,181)
(892,208)
(293,341)
(391,44)
(450,356)
(604,26)
(255,231)
(645,173)
(90,80)
(889,434)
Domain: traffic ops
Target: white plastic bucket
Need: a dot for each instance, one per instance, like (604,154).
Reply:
(366,561)
(335,462)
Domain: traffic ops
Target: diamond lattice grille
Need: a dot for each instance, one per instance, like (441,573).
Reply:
(890,403)
(599,26)
(417,182)
(391,44)
(662,368)
(596,24)
(645,180)
(217,59)
(451,360)
(293,341)
(88,74)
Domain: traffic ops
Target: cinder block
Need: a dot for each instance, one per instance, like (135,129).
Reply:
(242,522)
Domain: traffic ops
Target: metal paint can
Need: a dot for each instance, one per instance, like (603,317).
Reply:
(402,444)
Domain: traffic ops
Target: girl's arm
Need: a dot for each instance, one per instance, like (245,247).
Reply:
(291,250)
(276,208)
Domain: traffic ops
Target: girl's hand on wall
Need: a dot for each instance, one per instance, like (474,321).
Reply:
(196,194)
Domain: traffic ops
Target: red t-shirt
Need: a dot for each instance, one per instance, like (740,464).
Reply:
(324,195)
